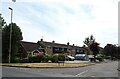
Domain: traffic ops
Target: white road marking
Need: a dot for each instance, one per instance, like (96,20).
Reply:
(82,73)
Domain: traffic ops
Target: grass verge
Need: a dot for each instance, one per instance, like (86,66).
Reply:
(47,65)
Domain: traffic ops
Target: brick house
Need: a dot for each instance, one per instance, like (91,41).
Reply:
(30,48)
(53,48)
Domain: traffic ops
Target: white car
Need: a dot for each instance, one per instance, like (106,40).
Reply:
(71,57)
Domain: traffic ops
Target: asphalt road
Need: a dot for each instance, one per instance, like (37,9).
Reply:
(108,69)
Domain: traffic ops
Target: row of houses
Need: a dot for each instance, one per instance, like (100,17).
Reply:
(44,47)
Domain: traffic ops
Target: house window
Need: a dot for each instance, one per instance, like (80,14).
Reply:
(62,49)
(77,50)
(65,49)
(35,52)
(49,47)
(57,50)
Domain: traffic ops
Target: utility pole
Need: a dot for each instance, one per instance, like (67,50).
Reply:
(10,35)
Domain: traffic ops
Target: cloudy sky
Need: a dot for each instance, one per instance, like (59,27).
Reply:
(65,20)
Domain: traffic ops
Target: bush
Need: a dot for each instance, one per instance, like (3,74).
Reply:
(61,57)
(16,60)
(47,58)
(107,57)
(36,59)
(100,58)
(57,57)
(54,58)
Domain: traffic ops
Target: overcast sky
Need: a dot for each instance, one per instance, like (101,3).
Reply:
(65,20)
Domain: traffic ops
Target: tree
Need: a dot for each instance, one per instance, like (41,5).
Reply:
(89,40)
(112,50)
(118,52)
(16,37)
(92,45)
(2,22)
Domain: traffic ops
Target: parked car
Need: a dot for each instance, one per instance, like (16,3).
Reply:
(24,60)
(70,58)
(91,58)
(81,57)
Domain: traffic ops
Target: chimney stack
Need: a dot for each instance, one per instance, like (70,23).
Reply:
(53,41)
(41,39)
(68,43)
(73,44)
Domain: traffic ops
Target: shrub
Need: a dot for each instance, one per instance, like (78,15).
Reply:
(54,58)
(47,58)
(61,57)
(57,57)
(16,60)
(36,59)
(100,58)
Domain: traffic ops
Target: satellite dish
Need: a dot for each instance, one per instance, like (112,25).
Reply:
(14,0)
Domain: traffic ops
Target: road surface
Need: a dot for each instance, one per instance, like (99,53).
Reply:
(108,69)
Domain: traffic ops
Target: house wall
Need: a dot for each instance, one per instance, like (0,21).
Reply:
(48,50)
(29,54)
(69,51)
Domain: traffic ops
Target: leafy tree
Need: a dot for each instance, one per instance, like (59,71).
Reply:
(89,40)
(16,37)
(2,22)
(92,45)
(112,50)
(118,52)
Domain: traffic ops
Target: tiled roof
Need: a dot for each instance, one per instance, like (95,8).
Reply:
(57,44)
(29,46)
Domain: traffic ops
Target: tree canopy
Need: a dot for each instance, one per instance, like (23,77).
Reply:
(89,40)
(16,37)
(92,45)
(112,50)
(2,22)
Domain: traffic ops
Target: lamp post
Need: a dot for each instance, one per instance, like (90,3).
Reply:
(10,35)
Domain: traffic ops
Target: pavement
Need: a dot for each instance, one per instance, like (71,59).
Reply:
(77,61)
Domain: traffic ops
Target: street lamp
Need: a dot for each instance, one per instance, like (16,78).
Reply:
(10,35)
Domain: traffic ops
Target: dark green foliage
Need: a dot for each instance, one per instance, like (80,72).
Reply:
(16,37)
(16,60)
(34,59)
(92,45)
(100,58)
(2,22)
(54,58)
(47,58)
(61,57)
(89,40)
(118,52)
(112,51)
(57,57)
(94,48)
